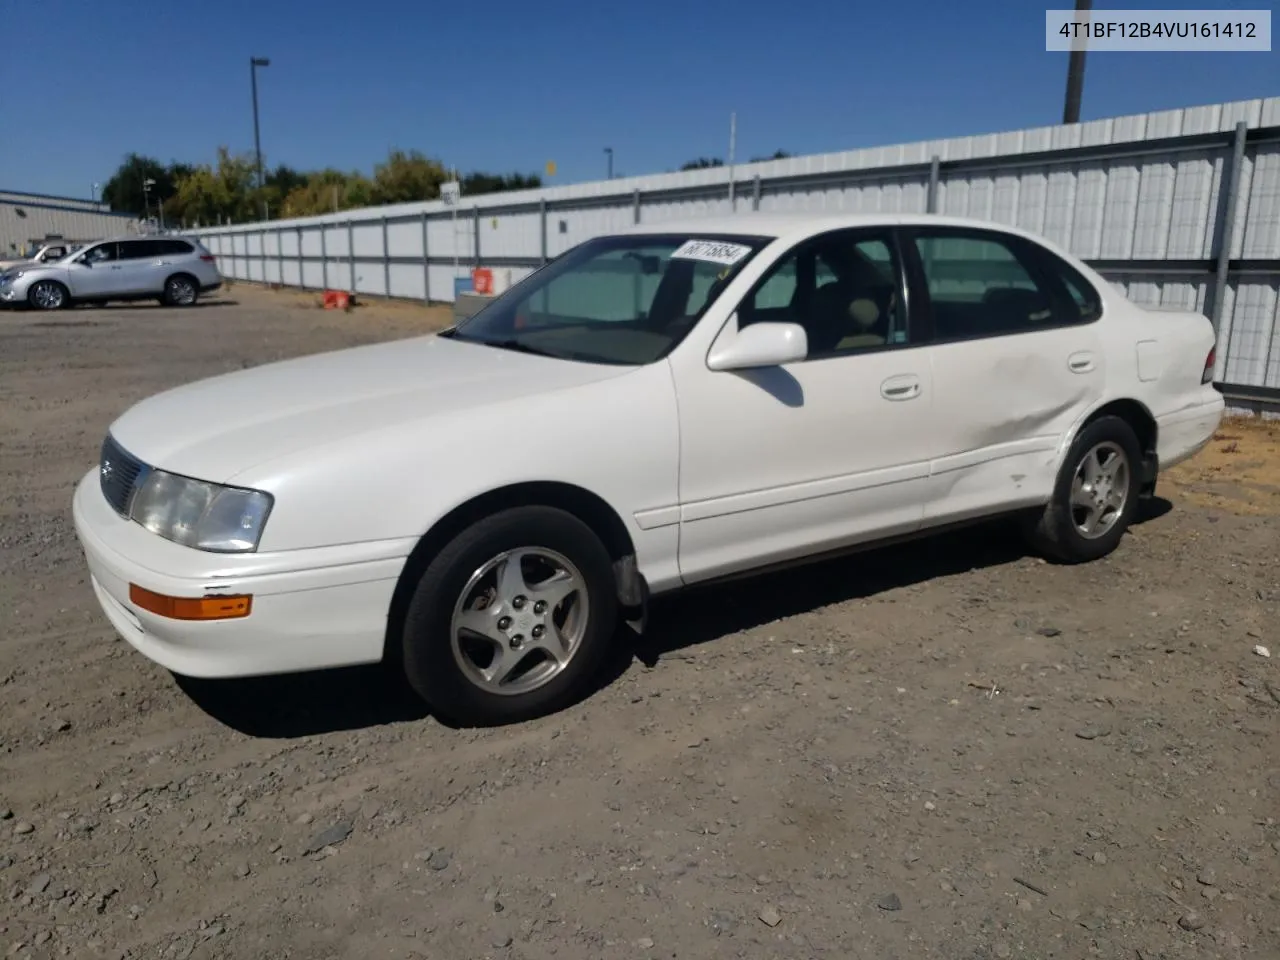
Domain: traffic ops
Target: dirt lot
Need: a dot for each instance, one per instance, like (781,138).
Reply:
(948,750)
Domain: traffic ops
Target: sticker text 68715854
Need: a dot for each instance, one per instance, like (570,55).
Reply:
(712,251)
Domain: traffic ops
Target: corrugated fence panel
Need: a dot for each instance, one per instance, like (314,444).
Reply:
(1252,332)
(405,240)
(367,238)
(1260,231)
(336,241)
(406,280)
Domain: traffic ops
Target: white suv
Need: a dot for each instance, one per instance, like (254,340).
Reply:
(173,270)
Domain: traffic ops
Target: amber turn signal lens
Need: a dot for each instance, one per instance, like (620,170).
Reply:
(190,608)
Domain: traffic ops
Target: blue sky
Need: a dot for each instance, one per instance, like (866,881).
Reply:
(510,84)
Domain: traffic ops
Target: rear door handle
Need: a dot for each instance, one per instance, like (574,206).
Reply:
(1081,362)
(904,387)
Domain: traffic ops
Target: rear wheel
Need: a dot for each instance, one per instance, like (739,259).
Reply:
(181,291)
(48,295)
(512,619)
(1095,496)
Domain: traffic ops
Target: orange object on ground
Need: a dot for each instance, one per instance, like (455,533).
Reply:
(482,280)
(336,300)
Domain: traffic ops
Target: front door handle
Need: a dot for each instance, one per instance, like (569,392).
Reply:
(1081,362)
(116,268)
(905,387)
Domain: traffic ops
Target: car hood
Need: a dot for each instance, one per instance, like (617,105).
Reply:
(216,428)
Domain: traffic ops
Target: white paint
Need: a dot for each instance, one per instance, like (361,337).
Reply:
(710,471)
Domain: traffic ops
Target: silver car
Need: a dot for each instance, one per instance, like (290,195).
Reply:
(173,270)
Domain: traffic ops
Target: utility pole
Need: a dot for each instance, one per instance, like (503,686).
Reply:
(608,152)
(1075,72)
(254,64)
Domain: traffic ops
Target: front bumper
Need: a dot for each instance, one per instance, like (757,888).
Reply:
(312,609)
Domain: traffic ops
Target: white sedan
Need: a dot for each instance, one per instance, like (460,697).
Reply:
(660,407)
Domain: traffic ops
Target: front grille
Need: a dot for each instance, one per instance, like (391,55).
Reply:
(119,473)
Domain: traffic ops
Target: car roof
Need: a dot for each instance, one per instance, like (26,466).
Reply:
(136,236)
(796,226)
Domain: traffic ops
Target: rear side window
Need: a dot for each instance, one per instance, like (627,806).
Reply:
(1084,305)
(981,285)
(138,249)
(174,247)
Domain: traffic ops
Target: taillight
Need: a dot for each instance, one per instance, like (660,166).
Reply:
(1209,363)
(207,257)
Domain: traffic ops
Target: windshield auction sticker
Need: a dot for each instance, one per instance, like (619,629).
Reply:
(712,251)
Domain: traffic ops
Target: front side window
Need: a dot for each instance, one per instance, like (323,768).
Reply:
(982,285)
(844,289)
(620,300)
(100,254)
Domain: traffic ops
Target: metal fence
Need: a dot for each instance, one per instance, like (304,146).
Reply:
(1179,208)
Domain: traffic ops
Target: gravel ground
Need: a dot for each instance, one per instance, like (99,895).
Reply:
(945,750)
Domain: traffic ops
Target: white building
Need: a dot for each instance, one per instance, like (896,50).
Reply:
(28,219)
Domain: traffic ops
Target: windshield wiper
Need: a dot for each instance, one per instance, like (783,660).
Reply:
(517,345)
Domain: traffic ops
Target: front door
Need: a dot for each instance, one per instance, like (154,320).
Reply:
(95,272)
(1017,361)
(783,462)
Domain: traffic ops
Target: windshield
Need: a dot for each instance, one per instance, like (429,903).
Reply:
(621,300)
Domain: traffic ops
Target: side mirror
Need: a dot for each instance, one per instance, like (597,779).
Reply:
(759,345)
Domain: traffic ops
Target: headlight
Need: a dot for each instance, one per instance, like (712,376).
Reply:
(207,516)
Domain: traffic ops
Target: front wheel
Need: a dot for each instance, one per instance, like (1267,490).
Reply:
(512,619)
(48,295)
(1095,496)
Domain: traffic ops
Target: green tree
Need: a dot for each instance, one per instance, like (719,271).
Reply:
(703,163)
(124,191)
(327,191)
(479,182)
(776,155)
(406,177)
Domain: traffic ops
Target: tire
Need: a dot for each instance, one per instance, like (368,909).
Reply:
(1059,532)
(181,290)
(48,295)
(451,668)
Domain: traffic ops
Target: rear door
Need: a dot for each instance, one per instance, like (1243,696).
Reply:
(1016,362)
(141,268)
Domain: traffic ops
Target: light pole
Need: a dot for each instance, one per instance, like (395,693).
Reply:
(254,64)
(608,152)
(94,193)
(147,184)
(1075,72)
